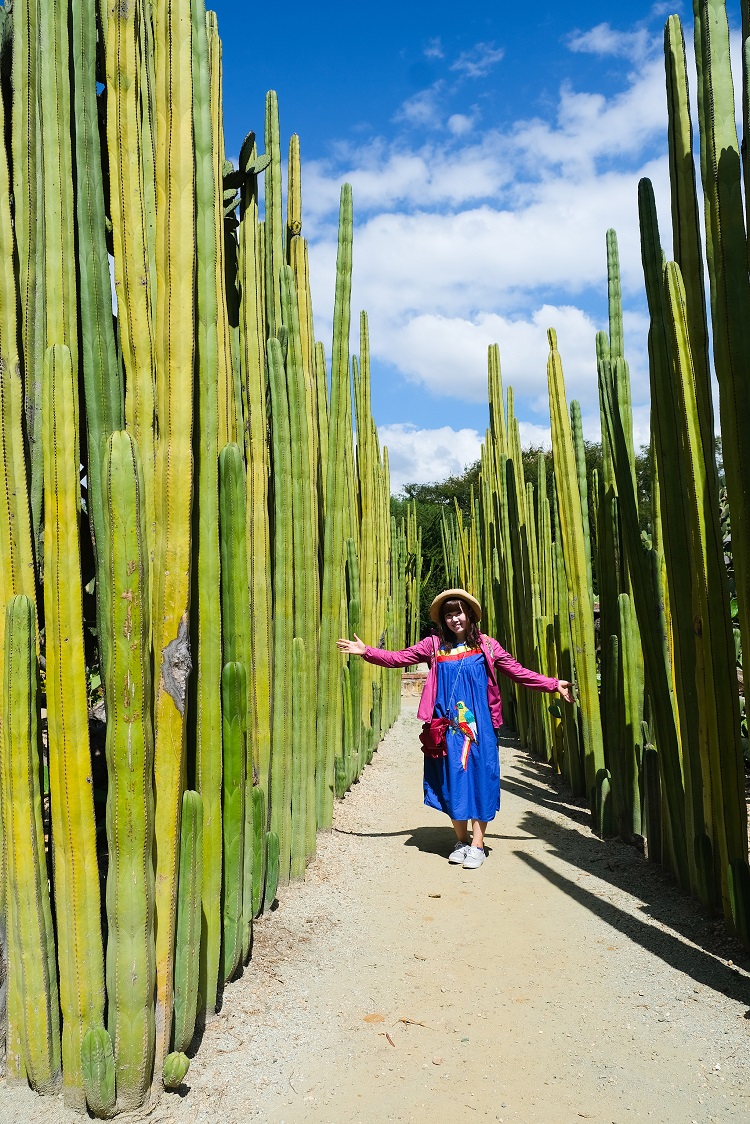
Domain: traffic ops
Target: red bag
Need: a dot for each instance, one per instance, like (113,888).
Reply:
(433,737)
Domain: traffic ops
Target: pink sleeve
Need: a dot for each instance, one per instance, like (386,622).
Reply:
(509,666)
(418,653)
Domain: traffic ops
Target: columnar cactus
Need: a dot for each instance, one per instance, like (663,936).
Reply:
(173,476)
(79,941)
(130,963)
(234,719)
(188,939)
(32,973)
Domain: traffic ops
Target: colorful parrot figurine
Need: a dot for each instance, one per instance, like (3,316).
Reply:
(467,724)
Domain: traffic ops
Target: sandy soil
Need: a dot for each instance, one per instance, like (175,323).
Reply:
(565,980)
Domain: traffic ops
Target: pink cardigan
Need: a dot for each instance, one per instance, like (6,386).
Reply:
(495,656)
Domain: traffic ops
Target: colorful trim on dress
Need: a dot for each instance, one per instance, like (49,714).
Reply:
(460,652)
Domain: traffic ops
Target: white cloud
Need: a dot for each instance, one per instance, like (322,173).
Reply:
(419,456)
(492,236)
(423,108)
(434,49)
(478,61)
(606,40)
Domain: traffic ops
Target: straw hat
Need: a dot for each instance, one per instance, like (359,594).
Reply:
(452,595)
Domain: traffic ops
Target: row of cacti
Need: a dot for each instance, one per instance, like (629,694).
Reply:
(654,742)
(230,550)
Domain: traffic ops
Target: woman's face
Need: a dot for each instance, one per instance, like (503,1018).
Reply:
(455,618)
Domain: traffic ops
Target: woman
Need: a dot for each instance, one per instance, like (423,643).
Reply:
(461,708)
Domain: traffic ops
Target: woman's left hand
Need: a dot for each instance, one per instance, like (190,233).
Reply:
(565,690)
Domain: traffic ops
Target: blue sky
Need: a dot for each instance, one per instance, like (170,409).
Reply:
(488,154)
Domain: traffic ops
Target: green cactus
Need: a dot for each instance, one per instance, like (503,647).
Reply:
(131,192)
(329,721)
(272,869)
(274,249)
(130,961)
(674,491)
(175,1070)
(234,720)
(80,958)
(103,389)
(98,1067)
(173,476)
(715,651)
(301,749)
(28,221)
(188,940)
(571,527)
(206,617)
(283,602)
(259,849)
(32,972)
(252,361)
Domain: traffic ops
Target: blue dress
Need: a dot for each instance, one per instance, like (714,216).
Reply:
(466,783)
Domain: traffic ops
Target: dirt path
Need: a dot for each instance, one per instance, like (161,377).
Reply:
(564,980)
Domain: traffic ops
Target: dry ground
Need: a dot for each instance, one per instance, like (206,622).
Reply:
(565,980)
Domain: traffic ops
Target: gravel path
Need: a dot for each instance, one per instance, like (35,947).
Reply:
(564,980)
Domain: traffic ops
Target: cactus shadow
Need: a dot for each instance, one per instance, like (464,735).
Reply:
(674,927)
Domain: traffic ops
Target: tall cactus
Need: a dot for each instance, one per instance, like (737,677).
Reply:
(329,691)
(173,478)
(131,966)
(80,957)
(129,172)
(32,972)
(571,525)
(206,596)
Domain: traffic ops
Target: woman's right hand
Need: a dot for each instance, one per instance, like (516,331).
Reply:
(355,647)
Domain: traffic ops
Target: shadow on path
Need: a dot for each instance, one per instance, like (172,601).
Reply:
(700,965)
(430,840)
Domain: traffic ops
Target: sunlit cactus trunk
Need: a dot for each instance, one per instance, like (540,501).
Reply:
(173,477)
(130,962)
(80,954)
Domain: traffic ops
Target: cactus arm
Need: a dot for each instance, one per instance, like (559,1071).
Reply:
(173,478)
(188,939)
(205,722)
(31,943)
(130,962)
(73,833)
(175,1070)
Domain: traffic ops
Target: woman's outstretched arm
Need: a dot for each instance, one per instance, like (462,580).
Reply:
(508,665)
(418,653)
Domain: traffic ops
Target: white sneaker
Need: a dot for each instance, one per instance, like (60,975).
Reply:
(475,856)
(459,853)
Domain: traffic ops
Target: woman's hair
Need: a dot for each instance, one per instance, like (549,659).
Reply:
(447,636)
